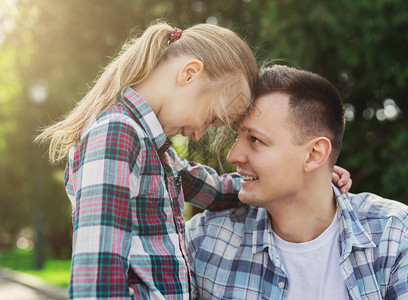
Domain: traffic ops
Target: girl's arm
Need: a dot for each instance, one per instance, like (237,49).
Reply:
(204,188)
(102,212)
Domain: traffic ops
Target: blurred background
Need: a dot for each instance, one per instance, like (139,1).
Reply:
(51,51)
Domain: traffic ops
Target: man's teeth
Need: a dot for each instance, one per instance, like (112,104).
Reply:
(249,177)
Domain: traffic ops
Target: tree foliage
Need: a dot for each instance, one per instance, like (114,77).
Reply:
(362,47)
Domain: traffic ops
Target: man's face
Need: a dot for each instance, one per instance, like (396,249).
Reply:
(270,164)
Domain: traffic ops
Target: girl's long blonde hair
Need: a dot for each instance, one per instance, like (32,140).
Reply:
(221,51)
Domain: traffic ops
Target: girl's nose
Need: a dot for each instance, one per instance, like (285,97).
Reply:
(197,134)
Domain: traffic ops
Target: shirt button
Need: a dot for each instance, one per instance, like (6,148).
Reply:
(281,285)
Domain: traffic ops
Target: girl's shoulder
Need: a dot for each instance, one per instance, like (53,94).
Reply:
(117,120)
(115,126)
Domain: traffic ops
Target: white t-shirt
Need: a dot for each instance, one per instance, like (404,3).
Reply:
(313,268)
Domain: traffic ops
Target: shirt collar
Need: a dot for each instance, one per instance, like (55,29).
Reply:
(352,232)
(262,230)
(146,117)
(262,237)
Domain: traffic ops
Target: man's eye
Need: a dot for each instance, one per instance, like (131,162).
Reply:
(254,139)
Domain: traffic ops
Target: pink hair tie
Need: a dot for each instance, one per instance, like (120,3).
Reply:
(175,35)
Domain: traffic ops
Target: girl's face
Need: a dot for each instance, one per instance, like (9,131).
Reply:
(204,103)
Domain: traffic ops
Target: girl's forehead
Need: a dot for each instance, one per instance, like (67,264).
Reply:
(237,95)
(230,116)
(233,99)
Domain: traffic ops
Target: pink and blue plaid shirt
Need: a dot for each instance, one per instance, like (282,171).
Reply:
(128,206)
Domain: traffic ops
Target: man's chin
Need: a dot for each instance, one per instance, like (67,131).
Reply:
(247,198)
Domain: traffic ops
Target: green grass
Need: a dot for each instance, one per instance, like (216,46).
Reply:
(55,271)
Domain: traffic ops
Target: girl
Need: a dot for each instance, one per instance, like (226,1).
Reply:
(126,184)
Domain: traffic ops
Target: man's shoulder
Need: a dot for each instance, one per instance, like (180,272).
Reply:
(214,224)
(221,218)
(370,206)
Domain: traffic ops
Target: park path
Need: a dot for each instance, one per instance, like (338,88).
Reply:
(20,286)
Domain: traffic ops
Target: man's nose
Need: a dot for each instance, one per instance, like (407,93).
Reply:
(236,155)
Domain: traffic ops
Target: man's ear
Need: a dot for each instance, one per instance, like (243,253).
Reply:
(189,71)
(319,152)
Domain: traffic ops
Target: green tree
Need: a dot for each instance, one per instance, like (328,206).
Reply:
(362,47)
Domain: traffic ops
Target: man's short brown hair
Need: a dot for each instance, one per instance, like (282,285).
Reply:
(315,106)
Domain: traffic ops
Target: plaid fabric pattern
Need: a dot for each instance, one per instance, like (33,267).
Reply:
(128,206)
(233,256)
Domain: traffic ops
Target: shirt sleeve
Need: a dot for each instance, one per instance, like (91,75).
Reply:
(204,188)
(102,165)
(398,284)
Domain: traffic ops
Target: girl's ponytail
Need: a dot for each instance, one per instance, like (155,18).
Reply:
(138,58)
(222,52)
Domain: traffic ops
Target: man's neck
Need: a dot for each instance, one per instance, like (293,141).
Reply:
(306,215)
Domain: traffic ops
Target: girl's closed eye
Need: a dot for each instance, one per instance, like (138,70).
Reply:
(212,121)
(215,122)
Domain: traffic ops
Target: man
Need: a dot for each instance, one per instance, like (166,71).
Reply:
(298,237)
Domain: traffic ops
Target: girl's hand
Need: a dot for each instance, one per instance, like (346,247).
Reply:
(341,178)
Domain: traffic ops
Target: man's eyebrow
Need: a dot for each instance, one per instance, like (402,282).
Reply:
(252,130)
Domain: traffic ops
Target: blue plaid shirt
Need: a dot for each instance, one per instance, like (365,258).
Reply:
(233,256)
